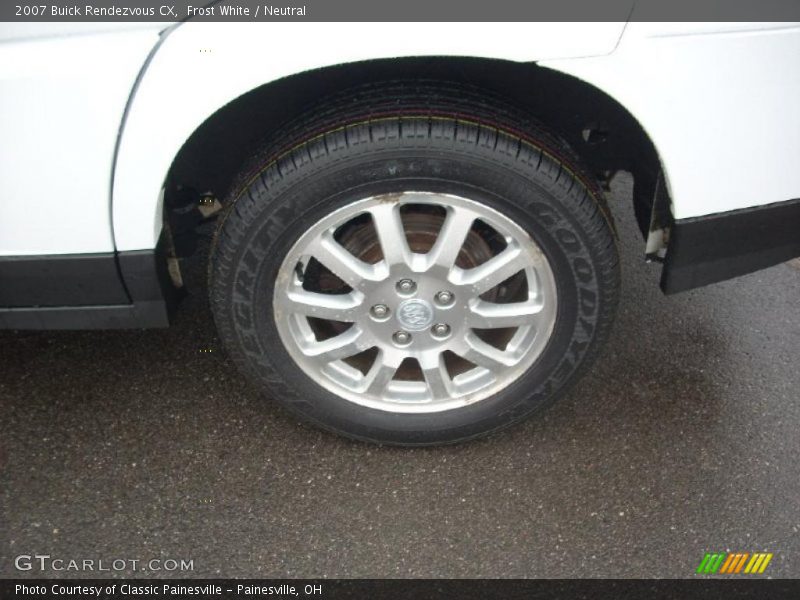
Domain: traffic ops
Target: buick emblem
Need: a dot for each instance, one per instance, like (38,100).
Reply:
(415,314)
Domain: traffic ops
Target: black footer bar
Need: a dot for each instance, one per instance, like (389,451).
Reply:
(390,589)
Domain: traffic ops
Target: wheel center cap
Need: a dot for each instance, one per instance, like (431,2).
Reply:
(415,314)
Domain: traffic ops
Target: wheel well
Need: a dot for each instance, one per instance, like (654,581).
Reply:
(603,133)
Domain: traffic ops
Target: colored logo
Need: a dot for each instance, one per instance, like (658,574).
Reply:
(728,563)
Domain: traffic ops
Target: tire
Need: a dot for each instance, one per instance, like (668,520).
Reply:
(307,323)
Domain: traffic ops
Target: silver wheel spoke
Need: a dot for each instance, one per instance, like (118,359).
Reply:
(488,315)
(345,344)
(436,375)
(485,355)
(451,237)
(494,271)
(334,307)
(341,263)
(389,225)
(378,376)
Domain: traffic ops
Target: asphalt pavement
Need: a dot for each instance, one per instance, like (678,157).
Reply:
(683,439)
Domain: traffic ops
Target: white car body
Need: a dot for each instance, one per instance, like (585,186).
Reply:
(92,117)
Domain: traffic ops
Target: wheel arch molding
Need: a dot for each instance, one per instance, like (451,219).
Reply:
(203,102)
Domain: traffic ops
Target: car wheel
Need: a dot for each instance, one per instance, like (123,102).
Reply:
(414,266)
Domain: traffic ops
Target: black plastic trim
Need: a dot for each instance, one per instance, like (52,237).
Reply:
(139,315)
(717,247)
(127,290)
(60,280)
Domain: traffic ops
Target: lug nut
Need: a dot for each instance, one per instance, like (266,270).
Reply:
(444,298)
(380,311)
(441,330)
(406,286)
(402,338)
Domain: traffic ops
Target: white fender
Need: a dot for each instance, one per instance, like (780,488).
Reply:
(720,103)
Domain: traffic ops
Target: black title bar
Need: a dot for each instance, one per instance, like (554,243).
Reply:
(32,11)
